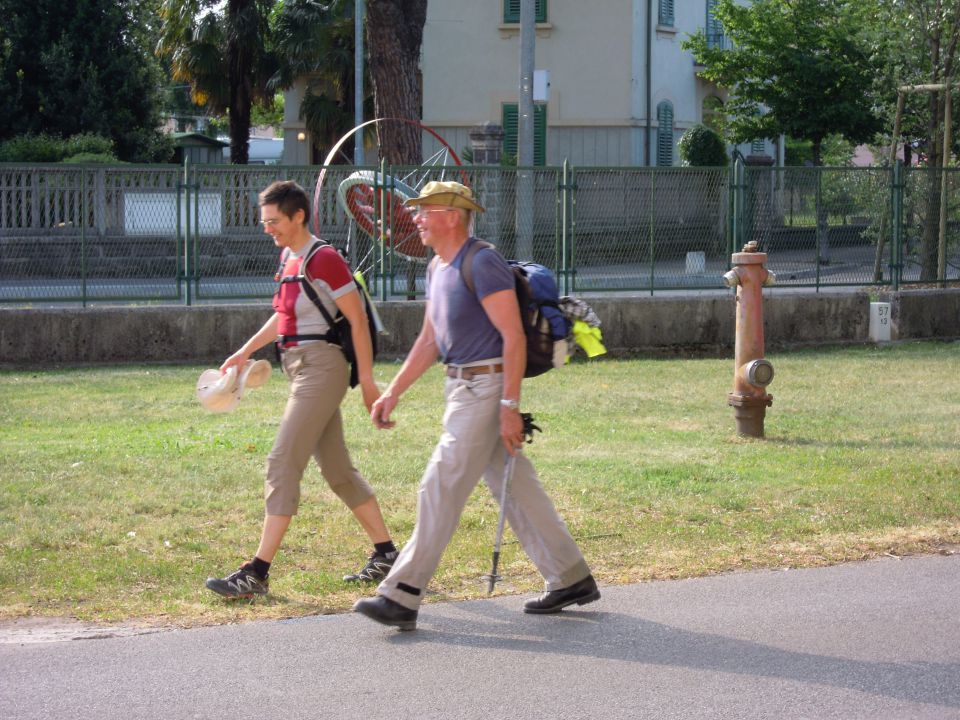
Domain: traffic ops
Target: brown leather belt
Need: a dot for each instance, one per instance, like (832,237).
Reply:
(468,373)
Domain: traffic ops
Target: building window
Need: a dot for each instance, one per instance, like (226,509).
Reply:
(664,134)
(758,147)
(511,129)
(511,11)
(665,16)
(715,36)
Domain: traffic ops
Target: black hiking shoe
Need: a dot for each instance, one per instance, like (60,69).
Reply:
(581,593)
(377,568)
(241,584)
(387,612)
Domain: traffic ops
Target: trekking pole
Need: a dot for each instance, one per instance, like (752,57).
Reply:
(501,521)
(528,429)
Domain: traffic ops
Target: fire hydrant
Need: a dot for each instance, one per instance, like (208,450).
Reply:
(752,371)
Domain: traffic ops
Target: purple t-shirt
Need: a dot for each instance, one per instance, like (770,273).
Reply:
(464,333)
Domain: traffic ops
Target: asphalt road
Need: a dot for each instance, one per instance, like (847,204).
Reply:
(877,639)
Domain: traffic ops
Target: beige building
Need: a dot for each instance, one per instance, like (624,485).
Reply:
(612,85)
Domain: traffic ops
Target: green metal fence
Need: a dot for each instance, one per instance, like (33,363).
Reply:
(83,234)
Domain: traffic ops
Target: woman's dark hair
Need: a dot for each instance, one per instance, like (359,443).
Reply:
(288,197)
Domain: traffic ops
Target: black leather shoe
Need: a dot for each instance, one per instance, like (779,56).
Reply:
(580,593)
(387,612)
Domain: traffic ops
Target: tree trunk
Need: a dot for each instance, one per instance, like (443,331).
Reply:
(240,76)
(394,37)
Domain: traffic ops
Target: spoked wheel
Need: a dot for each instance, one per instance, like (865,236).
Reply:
(368,197)
(375,203)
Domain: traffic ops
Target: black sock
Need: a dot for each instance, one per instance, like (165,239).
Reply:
(259,567)
(387,549)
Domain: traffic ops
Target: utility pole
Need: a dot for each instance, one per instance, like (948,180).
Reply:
(525,136)
(358,80)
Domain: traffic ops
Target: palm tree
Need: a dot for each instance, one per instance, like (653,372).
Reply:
(316,42)
(221,47)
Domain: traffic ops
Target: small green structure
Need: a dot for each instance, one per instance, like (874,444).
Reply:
(200,149)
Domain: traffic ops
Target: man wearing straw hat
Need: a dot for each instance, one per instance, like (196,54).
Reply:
(319,377)
(480,337)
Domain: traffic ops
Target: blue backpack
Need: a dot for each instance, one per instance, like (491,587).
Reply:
(543,321)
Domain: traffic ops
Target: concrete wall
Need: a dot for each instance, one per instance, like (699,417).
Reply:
(685,325)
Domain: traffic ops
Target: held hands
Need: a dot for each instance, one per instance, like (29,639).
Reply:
(381,409)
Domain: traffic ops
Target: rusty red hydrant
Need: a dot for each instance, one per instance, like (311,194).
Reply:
(752,371)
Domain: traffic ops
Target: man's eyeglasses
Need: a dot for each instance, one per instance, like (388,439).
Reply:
(272,222)
(417,213)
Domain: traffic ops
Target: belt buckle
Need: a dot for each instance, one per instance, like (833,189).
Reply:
(459,372)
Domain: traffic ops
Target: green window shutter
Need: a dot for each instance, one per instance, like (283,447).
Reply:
(511,128)
(539,134)
(758,146)
(511,11)
(665,134)
(666,13)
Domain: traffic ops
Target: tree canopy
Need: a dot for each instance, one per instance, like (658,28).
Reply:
(223,50)
(315,43)
(69,67)
(915,42)
(235,53)
(799,68)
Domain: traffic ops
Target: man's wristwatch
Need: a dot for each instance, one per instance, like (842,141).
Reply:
(512,404)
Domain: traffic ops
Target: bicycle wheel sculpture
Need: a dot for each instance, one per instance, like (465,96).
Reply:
(368,198)
(376,202)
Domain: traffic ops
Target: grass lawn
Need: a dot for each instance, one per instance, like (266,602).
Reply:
(119,495)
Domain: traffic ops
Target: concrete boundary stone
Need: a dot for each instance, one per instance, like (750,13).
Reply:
(676,325)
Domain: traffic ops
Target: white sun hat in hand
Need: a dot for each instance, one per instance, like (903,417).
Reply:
(221,392)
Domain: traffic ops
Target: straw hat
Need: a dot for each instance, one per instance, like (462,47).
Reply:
(450,194)
(221,392)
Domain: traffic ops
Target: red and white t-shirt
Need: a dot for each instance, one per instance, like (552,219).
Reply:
(331,278)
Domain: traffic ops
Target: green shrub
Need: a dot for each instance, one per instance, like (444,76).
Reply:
(45,148)
(88,143)
(701,146)
(90,158)
(33,149)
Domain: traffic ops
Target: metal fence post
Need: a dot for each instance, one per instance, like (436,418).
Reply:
(379,212)
(572,226)
(195,265)
(653,226)
(738,203)
(896,243)
(83,236)
(187,264)
(817,237)
(565,247)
